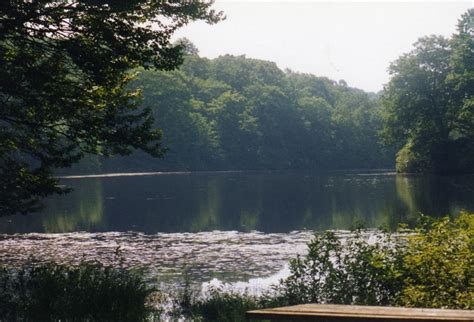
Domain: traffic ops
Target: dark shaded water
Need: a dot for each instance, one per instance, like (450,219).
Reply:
(235,227)
(271,202)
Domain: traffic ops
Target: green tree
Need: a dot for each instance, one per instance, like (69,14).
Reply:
(236,128)
(315,114)
(188,47)
(462,73)
(461,78)
(417,103)
(186,120)
(428,103)
(356,118)
(64,71)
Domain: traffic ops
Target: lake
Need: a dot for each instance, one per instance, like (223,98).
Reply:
(232,227)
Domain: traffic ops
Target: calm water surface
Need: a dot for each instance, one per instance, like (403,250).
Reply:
(231,226)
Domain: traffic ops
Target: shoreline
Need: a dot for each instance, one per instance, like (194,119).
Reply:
(159,173)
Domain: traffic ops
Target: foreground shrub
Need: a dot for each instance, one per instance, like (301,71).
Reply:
(431,267)
(224,306)
(438,265)
(88,292)
(220,305)
(351,272)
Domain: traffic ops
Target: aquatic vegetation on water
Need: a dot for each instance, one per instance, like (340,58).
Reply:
(230,256)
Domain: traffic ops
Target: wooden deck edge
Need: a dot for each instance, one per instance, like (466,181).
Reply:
(284,313)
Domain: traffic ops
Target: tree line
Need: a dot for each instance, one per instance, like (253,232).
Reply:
(234,112)
(239,113)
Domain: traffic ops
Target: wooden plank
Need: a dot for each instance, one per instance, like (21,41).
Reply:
(334,312)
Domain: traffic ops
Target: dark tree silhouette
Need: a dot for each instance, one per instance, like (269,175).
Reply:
(64,67)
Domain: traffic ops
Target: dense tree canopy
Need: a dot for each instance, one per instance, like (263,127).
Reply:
(64,70)
(234,112)
(429,103)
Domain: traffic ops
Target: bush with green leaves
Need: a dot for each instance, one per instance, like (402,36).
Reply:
(438,264)
(220,305)
(224,306)
(432,266)
(350,272)
(87,292)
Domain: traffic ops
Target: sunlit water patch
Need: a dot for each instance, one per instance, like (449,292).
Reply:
(228,257)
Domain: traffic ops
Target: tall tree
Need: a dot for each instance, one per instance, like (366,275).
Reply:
(428,103)
(461,76)
(64,68)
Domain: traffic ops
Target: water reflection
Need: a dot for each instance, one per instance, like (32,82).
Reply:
(84,211)
(245,201)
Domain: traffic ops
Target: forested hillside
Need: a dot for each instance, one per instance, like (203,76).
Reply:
(234,112)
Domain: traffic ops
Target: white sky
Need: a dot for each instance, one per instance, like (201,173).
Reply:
(349,40)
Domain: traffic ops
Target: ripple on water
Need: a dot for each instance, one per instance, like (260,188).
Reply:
(230,257)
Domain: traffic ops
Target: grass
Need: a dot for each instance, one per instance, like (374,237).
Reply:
(87,292)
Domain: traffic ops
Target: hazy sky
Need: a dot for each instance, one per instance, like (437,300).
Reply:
(349,40)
